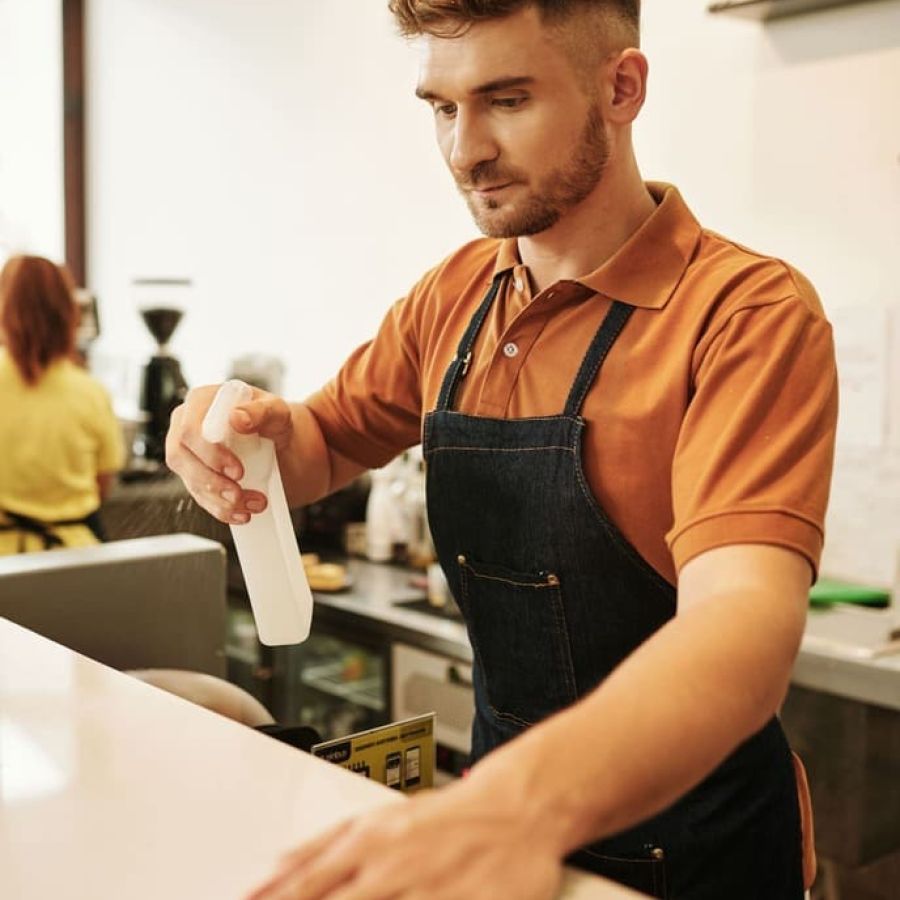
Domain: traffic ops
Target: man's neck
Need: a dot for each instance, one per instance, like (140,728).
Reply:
(590,234)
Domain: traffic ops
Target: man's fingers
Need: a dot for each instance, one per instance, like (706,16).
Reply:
(211,472)
(227,502)
(219,496)
(314,868)
(270,417)
(366,888)
(313,848)
(307,882)
(185,443)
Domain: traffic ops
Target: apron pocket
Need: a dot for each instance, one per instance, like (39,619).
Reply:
(517,626)
(646,874)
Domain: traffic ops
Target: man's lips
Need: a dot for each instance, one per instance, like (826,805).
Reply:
(491,188)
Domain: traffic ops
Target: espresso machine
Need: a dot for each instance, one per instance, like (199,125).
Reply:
(163,386)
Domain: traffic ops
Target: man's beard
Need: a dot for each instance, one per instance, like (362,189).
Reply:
(556,194)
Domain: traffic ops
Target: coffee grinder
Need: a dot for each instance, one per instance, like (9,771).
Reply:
(162,383)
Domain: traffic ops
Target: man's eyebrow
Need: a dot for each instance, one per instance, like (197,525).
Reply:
(502,84)
(489,87)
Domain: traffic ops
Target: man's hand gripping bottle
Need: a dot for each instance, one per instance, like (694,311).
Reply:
(266,546)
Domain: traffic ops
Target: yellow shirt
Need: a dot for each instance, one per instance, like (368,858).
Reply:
(55,438)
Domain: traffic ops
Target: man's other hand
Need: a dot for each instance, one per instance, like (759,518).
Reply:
(456,842)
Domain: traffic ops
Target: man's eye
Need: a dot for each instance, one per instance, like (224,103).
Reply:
(445,109)
(508,102)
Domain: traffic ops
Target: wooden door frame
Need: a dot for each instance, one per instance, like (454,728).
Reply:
(73,138)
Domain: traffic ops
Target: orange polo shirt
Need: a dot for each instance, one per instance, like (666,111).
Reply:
(711,422)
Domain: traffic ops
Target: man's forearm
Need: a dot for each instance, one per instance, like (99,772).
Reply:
(309,469)
(707,680)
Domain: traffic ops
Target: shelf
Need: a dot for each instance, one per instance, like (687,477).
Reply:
(765,10)
(367,692)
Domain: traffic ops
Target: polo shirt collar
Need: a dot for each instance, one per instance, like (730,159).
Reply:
(647,268)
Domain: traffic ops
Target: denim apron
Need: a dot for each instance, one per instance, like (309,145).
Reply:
(554,598)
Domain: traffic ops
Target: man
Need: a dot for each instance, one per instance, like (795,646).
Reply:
(628,425)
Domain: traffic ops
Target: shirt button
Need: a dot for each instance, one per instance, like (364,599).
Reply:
(510,349)
(517,284)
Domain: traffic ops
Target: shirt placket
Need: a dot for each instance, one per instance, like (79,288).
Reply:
(511,352)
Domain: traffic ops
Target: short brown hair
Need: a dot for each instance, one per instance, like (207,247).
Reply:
(450,18)
(38,314)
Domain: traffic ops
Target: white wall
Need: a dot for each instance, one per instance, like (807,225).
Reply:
(786,136)
(31,161)
(274,152)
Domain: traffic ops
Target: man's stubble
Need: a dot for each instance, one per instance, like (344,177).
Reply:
(556,194)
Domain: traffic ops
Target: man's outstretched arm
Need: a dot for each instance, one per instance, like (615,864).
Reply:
(666,717)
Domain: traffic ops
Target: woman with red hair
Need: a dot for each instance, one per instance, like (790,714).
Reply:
(60,443)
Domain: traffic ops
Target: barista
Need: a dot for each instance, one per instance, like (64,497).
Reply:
(60,443)
(628,424)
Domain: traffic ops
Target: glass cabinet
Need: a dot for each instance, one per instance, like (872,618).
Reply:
(336,685)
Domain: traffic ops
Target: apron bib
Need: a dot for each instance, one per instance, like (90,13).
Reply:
(554,598)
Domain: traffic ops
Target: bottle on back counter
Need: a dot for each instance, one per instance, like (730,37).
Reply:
(396,521)
(420,550)
(384,517)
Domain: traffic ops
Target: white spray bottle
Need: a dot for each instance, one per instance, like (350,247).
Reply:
(266,546)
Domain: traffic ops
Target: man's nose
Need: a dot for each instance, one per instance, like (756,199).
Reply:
(472,144)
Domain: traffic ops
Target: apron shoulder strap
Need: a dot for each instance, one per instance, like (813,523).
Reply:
(610,328)
(460,364)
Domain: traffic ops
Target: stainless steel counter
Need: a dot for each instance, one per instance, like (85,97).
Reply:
(847,651)
(839,653)
(375,601)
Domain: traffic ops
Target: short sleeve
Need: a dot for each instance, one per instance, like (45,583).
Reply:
(372,409)
(755,452)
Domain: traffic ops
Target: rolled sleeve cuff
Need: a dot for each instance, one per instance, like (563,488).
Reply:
(780,528)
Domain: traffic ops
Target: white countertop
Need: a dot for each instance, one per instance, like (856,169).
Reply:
(110,788)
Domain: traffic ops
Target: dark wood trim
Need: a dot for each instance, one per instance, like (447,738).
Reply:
(73,137)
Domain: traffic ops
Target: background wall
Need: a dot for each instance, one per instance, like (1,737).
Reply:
(31,166)
(786,137)
(273,152)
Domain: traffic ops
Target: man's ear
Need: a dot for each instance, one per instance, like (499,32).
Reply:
(626,86)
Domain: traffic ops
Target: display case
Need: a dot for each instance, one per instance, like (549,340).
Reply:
(336,684)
